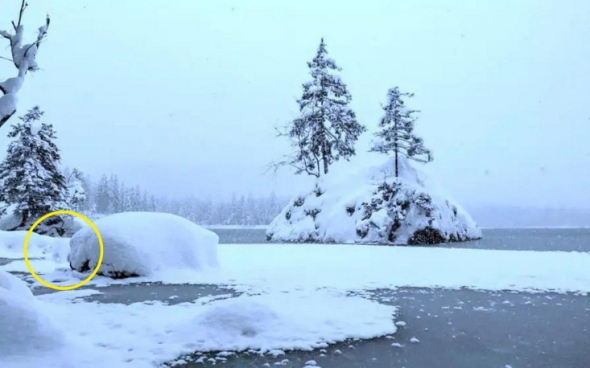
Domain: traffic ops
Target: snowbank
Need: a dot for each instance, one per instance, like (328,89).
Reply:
(25,328)
(40,246)
(142,243)
(358,267)
(364,203)
(286,321)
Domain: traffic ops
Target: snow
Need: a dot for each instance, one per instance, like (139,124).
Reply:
(40,246)
(297,296)
(26,328)
(144,243)
(349,206)
(286,321)
(284,267)
(150,334)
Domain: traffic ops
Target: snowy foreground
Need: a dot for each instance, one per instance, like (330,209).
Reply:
(295,297)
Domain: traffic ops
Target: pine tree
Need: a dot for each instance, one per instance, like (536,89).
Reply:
(102,195)
(77,195)
(30,177)
(397,131)
(327,128)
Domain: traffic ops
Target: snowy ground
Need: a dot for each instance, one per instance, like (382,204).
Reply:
(292,296)
(286,267)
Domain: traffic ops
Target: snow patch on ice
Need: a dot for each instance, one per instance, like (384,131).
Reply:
(286,321)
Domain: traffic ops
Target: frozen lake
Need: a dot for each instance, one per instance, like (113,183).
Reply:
(568,240)
(455,328)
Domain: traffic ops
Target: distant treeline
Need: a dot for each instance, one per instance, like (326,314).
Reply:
(110,195)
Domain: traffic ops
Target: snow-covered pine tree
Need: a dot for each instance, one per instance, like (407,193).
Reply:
(326,129)
(30,175)
(24,58)
(397,131)
(103,198)
(77,195)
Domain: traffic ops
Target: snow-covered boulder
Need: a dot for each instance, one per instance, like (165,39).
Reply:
(142,243)
(24,326)
(363,202)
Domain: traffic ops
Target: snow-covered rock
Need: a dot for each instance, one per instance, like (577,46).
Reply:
(363,202)
(142,243)
(24,326)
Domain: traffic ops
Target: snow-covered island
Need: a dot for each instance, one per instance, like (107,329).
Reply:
(370,200)
(360,202)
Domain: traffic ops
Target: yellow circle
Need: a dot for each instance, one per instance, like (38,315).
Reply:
(100,245)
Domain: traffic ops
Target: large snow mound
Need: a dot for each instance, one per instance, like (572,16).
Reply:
(286,321)
(143,243)
(40,246)
(363,202)
(24,326)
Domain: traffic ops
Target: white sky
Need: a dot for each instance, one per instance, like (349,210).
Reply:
(181,97)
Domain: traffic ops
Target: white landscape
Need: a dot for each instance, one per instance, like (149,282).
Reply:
(255,184)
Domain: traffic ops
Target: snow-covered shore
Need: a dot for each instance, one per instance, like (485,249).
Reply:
(301,288)
(275,267)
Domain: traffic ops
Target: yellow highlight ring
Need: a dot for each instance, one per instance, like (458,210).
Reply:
(100,245)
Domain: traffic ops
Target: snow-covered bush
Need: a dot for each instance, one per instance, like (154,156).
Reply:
(142,243)
(24,326)
(360,203)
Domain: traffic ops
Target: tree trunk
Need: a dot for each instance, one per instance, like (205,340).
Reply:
(396,165)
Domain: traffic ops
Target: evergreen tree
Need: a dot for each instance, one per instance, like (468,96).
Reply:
(102,195)
(76,189)
(30,177)
(327,128)
(397,131)
(114,195)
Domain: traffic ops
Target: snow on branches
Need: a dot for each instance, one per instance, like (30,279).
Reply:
(24,58)
(327,128)
(397,131)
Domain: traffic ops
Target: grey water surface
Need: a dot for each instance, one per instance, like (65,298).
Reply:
(542,239)
(454,329)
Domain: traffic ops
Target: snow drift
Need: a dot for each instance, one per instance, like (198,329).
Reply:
(40,246)
(24,327)
(360,203)
(285,321)
(142,243)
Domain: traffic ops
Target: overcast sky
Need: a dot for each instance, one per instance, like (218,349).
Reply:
(182,97)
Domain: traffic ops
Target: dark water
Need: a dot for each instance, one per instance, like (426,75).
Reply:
(567,240)
(457,329)
(169,294)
